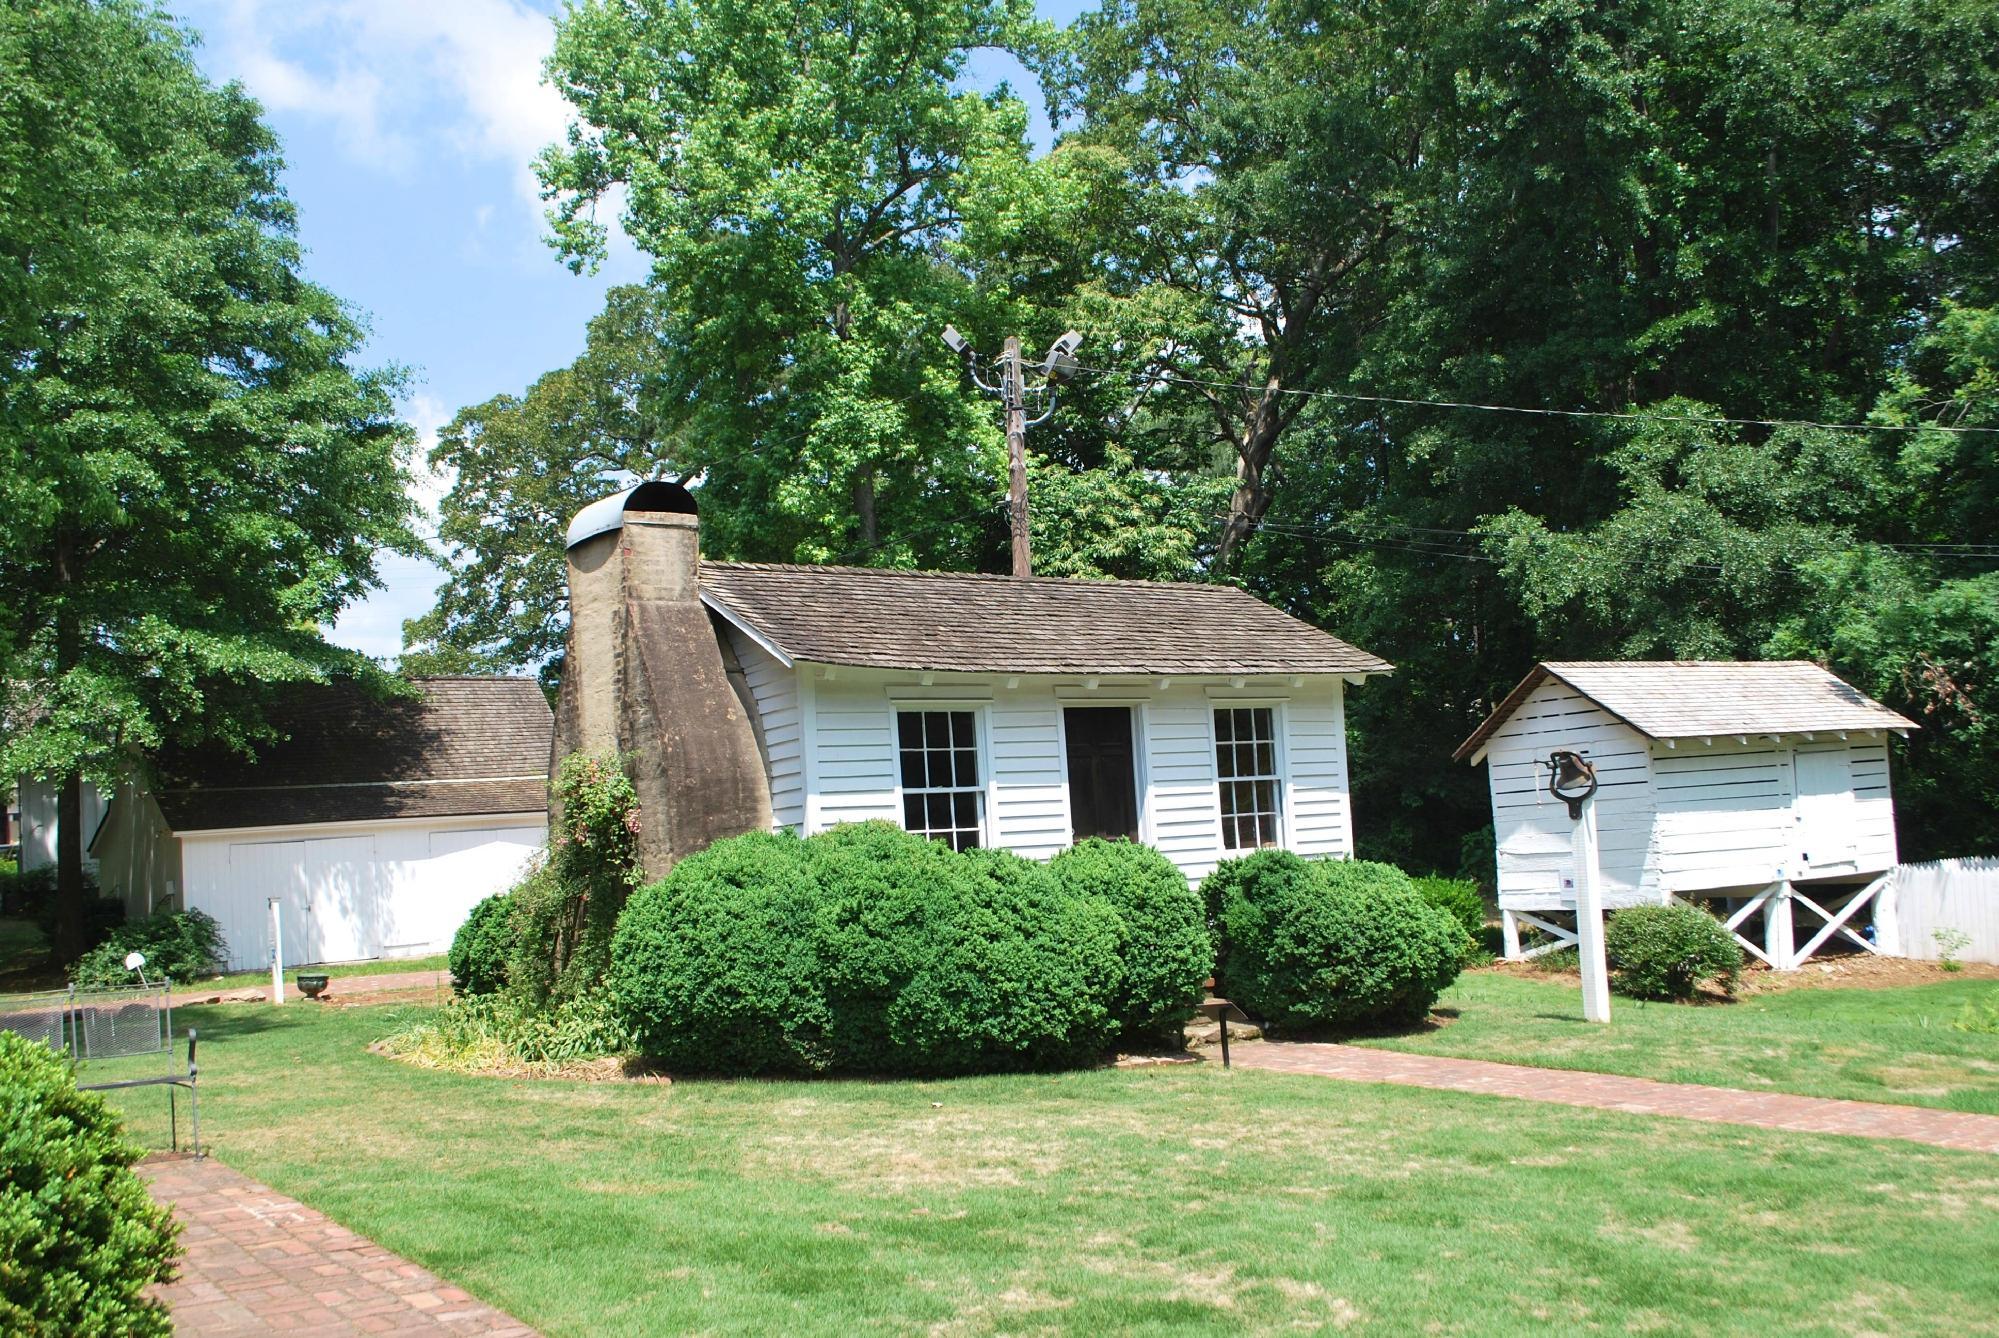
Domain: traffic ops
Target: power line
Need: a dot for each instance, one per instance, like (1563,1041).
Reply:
(1629,417)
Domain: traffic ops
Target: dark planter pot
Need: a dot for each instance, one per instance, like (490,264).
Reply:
(311,984)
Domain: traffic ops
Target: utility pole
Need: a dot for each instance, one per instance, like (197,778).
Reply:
(1013,392)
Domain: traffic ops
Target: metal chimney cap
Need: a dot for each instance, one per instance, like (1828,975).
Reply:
(608,513)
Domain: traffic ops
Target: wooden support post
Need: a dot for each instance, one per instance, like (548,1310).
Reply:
(1780,946)
(277,950)
(1509,935)
(1589,918)
(1887,917)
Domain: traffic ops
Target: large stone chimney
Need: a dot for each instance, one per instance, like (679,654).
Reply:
(645,676)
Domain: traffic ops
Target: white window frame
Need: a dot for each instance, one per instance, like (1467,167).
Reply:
(1280,774)
(982,758)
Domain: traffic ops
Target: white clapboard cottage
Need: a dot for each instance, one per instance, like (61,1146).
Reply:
(376,824)
(1760,786)
(981,710)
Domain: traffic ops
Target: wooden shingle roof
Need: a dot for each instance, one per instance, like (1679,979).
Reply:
(954,621)
(467,746)
(1683,699)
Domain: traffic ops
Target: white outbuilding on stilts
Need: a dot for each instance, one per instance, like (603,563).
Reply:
(1759,787)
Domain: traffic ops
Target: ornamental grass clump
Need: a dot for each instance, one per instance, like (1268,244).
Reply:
(1669,952)
(80,1239)
(1163,948)
(1342,943)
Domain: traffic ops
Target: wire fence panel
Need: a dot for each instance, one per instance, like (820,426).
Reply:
(40,1017)
(120,1021)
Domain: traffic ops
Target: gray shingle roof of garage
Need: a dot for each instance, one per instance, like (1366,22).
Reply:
(1683,699)
(467,746)
(951,621)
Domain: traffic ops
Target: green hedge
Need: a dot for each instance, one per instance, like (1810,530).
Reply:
(1669,952)
(483,946)
(1458,898)
(180,945)
(1330,942)
(1164,952)
(716,967)
(80,1239)
(863,950)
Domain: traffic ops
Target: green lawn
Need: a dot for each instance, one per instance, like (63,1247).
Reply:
(1870,1045)
(1174,1200)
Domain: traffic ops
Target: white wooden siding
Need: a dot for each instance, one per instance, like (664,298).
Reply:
(850,754)
(852,777)
(1532,829)
(1693,817)
(1028,790)
(351,891)
(775,691)
(1182,806)
(1725,814)
(1315,748)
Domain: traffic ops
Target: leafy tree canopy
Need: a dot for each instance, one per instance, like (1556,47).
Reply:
(195,476)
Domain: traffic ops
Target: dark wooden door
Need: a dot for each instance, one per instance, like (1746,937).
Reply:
(1103,783)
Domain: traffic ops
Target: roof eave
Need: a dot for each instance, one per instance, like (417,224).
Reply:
(749,629)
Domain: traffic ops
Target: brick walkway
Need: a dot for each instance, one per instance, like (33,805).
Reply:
(1636,1096)
(257,1262)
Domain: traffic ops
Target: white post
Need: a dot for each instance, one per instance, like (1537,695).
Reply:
(1589,918)
(1780,943)
(1509,935)
(1887,918)
(277,950)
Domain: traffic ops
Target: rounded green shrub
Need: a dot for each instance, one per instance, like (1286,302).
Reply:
(1333,942)
(1668,952)
(179,945)
(942,963)
(1164,952)
(483,946)
(715,968)
(863,950)
(80,1239)
(1457,898)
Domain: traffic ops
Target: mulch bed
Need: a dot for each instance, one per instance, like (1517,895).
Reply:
(1855,971)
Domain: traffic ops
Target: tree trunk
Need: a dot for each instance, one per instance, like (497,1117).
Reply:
(864,510)
(69,943)
(1253,488)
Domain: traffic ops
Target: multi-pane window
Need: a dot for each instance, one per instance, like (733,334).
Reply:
(941,795)
(1246,762)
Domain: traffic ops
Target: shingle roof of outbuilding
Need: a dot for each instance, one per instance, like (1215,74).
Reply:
(1682,699)
(467,746)
(953,621)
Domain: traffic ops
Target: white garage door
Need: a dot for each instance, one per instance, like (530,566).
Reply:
(330,890)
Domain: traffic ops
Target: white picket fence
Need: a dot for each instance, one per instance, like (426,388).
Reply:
(1949,894)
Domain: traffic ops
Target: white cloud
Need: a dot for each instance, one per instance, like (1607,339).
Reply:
(409,585)
(401,81)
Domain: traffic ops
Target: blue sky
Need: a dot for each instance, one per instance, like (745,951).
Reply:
(408,127)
